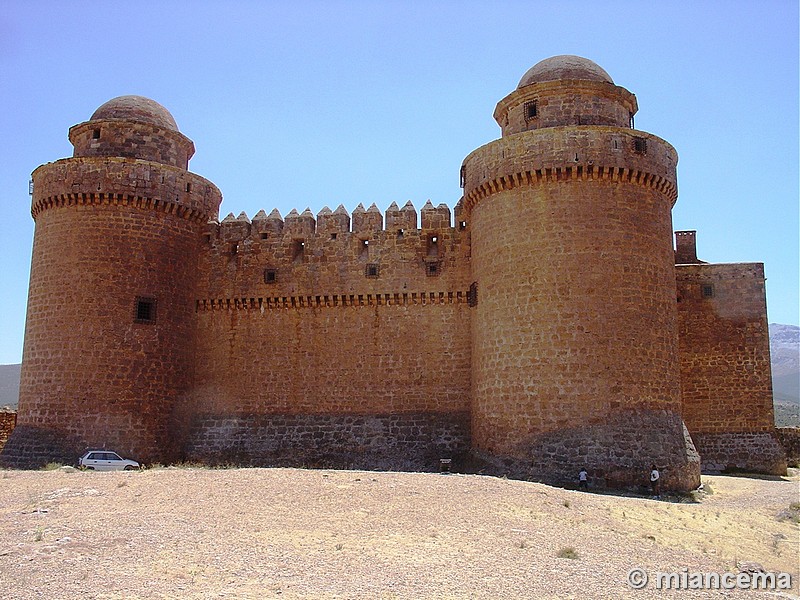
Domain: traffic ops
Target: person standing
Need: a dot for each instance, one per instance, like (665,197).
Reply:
(655,481)
(583,480)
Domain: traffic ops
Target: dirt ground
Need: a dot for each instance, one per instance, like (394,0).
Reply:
(290,533)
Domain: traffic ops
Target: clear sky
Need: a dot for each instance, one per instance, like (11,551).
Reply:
(312,103)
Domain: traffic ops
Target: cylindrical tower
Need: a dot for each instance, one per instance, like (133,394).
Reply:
(574,343)
(108,337)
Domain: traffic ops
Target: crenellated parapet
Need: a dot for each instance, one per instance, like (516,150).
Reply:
(335,253)
(327,225)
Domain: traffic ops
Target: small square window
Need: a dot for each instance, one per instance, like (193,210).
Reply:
(145,310)
(270,276)
(372,271)
(96,134)
(707,290)
(640,145)
(531,110)
(264,236)
(432,268)
(333,236)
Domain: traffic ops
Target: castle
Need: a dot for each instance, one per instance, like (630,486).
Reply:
(546,325)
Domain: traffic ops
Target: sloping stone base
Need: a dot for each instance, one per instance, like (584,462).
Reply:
(618,453)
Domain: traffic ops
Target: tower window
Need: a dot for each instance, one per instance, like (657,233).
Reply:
(531,110)
(432,268)
(640,145)
(145,310)
(433,245)
(188,187)
(707,290)
(463,176)
(372,271)
(472,294)
(298,248)
(264,236)
(96,134)
(333,236)
(270,276)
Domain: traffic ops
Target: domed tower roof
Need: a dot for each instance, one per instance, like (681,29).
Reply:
(136,108)
(565,90)
(564,66)
(132,127)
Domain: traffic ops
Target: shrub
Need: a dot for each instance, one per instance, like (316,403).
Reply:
(568,552)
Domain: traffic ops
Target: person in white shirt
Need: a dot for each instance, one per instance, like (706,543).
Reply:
(655,481)
(583,480)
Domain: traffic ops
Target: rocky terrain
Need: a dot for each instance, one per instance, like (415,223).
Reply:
(287,533)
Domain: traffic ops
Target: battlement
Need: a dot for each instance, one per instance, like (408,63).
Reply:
(363,224)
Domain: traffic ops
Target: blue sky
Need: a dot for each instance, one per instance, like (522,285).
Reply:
(306,104)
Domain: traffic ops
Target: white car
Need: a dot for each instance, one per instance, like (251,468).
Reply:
(103,460)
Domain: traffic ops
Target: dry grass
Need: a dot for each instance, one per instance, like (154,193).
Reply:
(287,533)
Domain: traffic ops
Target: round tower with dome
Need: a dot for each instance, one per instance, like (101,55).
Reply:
(108,338)
(574,335)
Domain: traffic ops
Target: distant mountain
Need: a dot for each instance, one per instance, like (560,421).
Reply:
(784,349)
(9,385)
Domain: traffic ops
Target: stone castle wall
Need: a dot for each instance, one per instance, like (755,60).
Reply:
(537,326)
(551,381)
(8,421)
(790,440)
(109,232)
(326,357)
(725,366)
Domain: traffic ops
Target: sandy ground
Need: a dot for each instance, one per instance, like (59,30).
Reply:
(289,533)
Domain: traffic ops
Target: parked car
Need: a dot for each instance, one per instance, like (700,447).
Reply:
(104,460)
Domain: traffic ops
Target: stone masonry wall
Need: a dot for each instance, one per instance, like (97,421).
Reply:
(109,232)
(7,422)
(725,366)
(566,103)
(114,138)
(326,358)
(790,440)
(575,325)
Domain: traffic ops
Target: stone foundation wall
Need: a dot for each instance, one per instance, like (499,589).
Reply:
(32,447)
(790,440)
(617,453)
(748,452)
(383,442)
(7,422)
